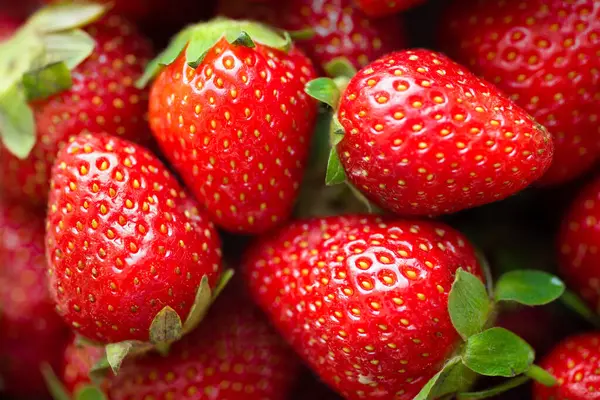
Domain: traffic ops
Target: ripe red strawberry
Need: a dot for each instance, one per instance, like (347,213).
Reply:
(544,55)
(103,98)
(575,363)
(123,240)
(338,28)
(579,244)
(425,136)
(8,26)
(31,333)
(379,8)
(78,359)
(235,355)
(237,126)
(364,301)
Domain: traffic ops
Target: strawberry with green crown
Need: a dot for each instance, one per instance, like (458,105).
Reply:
(75,72)
(418,134)
(133,261)
(230,113)
(395,309)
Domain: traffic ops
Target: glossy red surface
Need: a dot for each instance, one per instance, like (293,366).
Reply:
(425,136)
(123,240)
(237,129)
(362,300)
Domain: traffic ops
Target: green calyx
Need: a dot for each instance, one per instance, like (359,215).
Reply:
(197,40)
(166,328)
(36,63)
(491,351)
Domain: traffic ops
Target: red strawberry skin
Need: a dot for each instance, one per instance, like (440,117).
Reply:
(78,360)
(575,363)
(425,136)
(123,241)
(31,333)
(102,99)
(234,356)
(8,25)
(364,301)
(340,28)
(544,55)
(237,129)
(379,8)
(579,242)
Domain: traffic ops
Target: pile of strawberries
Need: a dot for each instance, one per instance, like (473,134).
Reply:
(291,200)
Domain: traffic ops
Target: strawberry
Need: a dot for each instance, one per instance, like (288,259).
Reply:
(423,136)
(333,28)
(578,243)
(231,116)
(128,251)
(78,361)
(575,362)
(31,333)
(544,55)
(362,300)
(234,356)
(8,26)
(380,8)
(102,98)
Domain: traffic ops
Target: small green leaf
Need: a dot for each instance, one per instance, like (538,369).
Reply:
(17,56)
(498,352)
(17,125)
(200,306)
(302,34)
(335,170)
(66,16)
(90,392)
(337,132)
(542,376)
(71,47)
(494,391)
(529,287)
(223,281)
(576,304)
(166,326)
(46,82)
(55,386)
(453,377)
(166,57)
(340,66)
(243,39)
(468,304)
(324,90)
(116,353)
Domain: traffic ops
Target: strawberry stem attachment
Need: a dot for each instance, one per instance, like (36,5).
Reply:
(340,67)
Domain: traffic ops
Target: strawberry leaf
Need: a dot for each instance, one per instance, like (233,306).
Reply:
(166,327)
(324,90)
(66,16)
(340,67)
(17,126)
(468,304)
(498,352)
(44,83)
(55,386)
(529,287)
(335,171)
(89,392)
(71,47)
(453,377)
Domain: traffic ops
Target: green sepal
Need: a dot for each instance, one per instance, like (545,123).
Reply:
(72,48)
(200,38)
(89,392)
(44,83)
(452,378)
(117,352)
(302,34)
(55,386)
(541,376)
(17,124)
(340,67)
(324,90)
(580,307)
(498,352)
(335,170)
(166,327)
(66,16)
(469,305)
(204,298)
(529,287)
